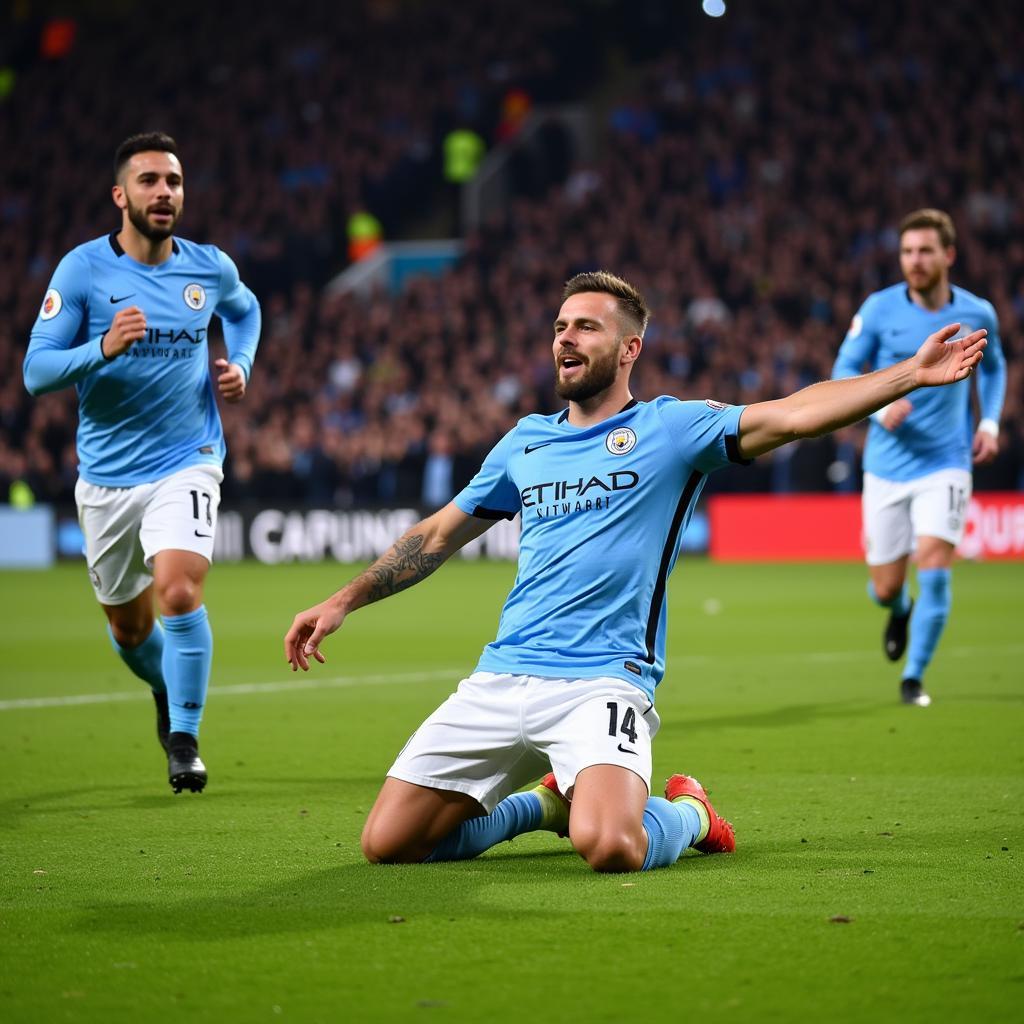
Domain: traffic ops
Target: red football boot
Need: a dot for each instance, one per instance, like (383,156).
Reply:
(561,828)
(721,837)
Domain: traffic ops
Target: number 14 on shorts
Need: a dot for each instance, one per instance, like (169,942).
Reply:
(627,727)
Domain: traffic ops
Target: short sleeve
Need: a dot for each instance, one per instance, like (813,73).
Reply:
(706,433)
(492,494)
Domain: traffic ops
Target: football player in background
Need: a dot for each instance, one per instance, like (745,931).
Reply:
(125,320)
(917,463)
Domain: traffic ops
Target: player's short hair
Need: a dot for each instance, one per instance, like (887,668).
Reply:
(631,303)
(145,142)
(930,218)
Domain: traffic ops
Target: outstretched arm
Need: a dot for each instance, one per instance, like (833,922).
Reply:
(413,557)
(822,408)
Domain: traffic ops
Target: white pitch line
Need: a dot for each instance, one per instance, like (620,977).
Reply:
(304,683)
(454,675)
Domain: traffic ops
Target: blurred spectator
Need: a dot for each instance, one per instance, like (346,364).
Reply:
(515,108)
(751,196)
(364,235)
(463,152)
(439,471)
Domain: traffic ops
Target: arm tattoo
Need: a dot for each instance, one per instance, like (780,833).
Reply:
(401,567)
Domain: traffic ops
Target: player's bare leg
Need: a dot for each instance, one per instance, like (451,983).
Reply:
(606,819)
(616,826)
(131,622)
(888,579)
(407,821)
(934,553)
(178,578)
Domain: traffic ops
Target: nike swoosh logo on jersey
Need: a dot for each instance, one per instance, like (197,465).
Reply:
(626,750)
(533,447)
(198,534)
(114,300)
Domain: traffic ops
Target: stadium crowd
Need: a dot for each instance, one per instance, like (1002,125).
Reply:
(751,195)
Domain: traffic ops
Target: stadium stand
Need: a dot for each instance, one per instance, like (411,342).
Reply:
(753,169)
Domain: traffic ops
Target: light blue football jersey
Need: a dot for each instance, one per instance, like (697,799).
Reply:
(603,513)
(937,434)
(151,411)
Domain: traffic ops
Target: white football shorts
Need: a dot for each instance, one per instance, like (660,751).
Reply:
(896,514)
(498,732)
(124,527)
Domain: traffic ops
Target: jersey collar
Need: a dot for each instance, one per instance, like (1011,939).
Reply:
(628,405)
(952,297)
(119,251)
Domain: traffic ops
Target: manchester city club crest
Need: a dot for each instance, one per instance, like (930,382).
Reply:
(195,296)
(620,441)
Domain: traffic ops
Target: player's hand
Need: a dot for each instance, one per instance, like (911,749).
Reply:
(230,380)
(941,361)
(896,413)
(127,327)
(985,447)
(302,641)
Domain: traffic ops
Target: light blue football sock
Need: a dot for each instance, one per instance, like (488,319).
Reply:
(900,604)
(929,619)
(670,828)
(145,660)
(188,652)
(515,815)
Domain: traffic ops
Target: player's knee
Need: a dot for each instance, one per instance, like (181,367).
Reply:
(888,591)
(179,596)
(608,850)
(381,848)
(372,852)
(130,633)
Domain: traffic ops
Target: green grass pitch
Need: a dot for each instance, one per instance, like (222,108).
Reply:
(877,876)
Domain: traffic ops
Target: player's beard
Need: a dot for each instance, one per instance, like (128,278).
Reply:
(923,281)
(141,223)
(599,375)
